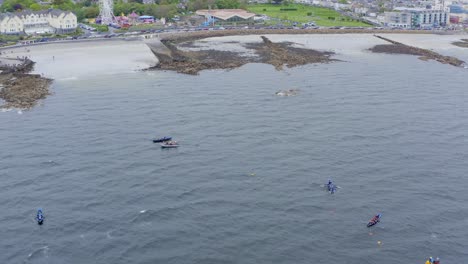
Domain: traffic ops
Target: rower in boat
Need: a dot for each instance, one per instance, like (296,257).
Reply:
(374,220)
(170,144)
(39,217)
(331,187)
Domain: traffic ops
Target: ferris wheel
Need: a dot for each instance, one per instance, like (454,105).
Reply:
(106,11)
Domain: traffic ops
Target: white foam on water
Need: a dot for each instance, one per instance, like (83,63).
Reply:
(71,78)
(43,250)
(142,211)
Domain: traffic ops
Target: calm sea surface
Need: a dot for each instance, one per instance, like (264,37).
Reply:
(245,186)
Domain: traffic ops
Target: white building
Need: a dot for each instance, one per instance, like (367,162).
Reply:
(416,18)
(227,15)
(38,22)
(361,10)
(430,18)
(398,19)
(10,24)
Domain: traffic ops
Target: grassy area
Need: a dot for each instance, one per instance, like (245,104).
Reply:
(9,38)
(303,14)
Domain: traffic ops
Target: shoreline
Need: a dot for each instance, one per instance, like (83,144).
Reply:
(119,55)
(193,35)
(186,36)
(68,42)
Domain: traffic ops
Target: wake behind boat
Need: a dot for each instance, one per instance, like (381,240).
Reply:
(170,144)
(163,139)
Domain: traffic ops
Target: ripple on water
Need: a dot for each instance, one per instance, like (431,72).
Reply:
(244,186)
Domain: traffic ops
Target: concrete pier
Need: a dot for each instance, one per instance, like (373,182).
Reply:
(162,52)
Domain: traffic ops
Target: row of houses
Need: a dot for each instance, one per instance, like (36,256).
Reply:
(38,22)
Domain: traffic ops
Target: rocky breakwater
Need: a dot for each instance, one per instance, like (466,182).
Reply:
(400,48)
(276,54)
(19,88)
(463,43)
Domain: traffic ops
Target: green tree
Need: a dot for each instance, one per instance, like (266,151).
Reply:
(91,12)
(9,5)
(151,10)
(166,11)
(138,8)
(64,5)
(227,4)
(58,2)
(201,4)
(35,7)
(168,2)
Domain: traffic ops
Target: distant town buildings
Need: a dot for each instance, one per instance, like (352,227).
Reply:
(458,14)
(421,14)
(38,22)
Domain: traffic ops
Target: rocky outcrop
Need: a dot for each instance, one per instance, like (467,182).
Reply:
(283,54)
(18,88)
(400,48)
(463,43)
(276,54)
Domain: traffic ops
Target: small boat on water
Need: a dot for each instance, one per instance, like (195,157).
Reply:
(169,144)
(163,139)
(39,217)
(374,220)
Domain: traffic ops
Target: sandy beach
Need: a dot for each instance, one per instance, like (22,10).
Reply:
(80,59)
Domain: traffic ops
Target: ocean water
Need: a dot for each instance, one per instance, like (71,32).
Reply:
(246,183)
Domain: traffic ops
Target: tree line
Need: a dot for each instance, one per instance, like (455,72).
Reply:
(90,9)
